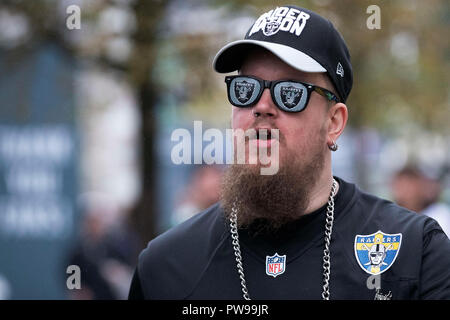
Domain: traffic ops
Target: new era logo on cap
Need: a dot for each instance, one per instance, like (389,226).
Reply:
(340,70)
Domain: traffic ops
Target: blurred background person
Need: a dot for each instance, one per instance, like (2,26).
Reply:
(105,252)
(419,192)
(202,191)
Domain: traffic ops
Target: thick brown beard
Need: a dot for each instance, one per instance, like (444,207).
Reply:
(271,200)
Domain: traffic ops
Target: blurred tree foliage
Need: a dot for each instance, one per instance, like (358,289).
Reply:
(45,21)
(401,71)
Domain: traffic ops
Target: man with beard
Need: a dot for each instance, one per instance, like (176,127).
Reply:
(300,233)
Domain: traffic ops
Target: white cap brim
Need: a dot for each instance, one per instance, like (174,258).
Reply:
(229,58)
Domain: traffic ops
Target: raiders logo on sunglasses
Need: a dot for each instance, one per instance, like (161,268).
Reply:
(287,95)
(290,96)
(243,90)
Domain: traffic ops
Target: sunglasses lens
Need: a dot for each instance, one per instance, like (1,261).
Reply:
(243,91)
(290,96)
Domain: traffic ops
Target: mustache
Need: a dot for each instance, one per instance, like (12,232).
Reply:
(260,122)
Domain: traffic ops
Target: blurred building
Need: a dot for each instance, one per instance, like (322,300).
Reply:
(39,153)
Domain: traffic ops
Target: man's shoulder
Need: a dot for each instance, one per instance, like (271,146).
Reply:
(384,213)
(192,232)
(176,259)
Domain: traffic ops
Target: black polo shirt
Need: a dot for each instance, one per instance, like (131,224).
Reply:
(195,260)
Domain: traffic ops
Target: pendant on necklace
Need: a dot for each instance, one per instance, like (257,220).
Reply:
(275,265)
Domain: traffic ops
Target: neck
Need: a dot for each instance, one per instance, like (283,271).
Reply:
(321,193)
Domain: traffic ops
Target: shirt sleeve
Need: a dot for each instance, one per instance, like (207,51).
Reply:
(135,292)
(435,272)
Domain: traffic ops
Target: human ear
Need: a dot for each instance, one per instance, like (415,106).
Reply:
(337,120)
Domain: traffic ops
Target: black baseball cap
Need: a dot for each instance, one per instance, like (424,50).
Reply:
(301,38)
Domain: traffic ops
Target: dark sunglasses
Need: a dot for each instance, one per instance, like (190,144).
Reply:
(288,95)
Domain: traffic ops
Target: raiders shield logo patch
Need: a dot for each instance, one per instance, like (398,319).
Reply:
(275,265)
(376,252)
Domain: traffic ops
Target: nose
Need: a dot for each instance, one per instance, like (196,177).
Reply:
(265,106)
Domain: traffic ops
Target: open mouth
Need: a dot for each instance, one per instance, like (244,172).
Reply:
(267,134)
(264,137)
(263,134)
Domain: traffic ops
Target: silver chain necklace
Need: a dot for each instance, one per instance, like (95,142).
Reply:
(326,252)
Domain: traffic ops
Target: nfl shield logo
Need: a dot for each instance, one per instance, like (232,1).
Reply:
(377,252)
(275,265)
